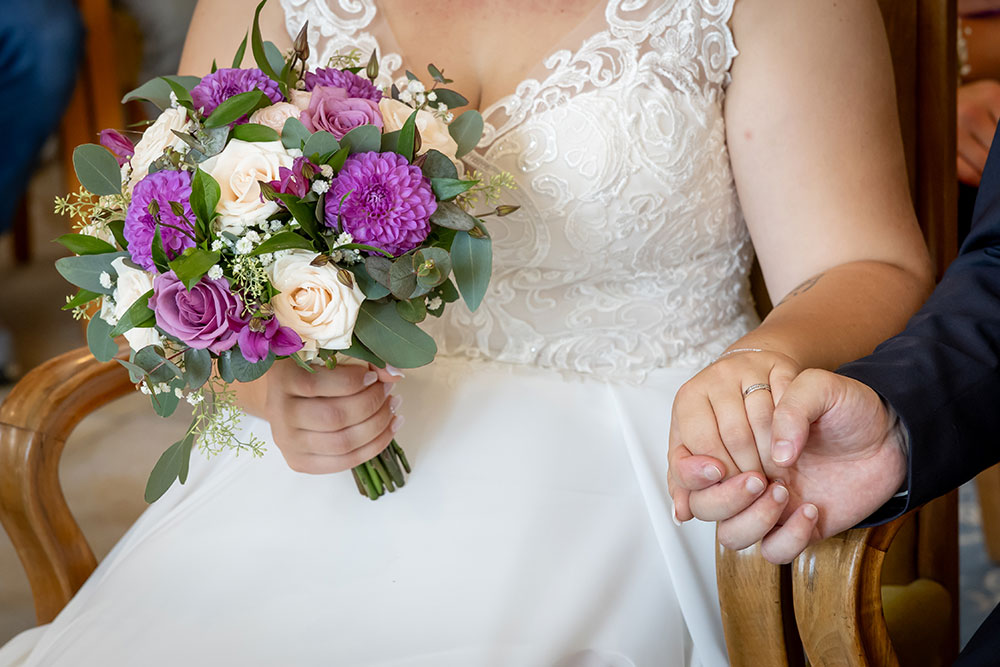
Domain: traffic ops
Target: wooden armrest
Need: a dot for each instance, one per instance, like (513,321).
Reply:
(35,421)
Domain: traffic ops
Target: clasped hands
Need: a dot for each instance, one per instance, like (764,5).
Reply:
(811,457)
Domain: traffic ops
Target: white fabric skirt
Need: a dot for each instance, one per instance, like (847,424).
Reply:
(534,530)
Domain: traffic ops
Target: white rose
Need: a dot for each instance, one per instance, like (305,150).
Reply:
(433,131)
(300,99)
(275,115)
(133,283)
(313,302)
(238,168)
(157,138)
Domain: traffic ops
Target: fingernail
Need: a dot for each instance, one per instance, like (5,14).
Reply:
(712,473)
(673,515)
(394,403)
(779,493)
(394,372)
(754,485)
(397,422)
(810,511)
(782,451)
(369,378)
(387,388)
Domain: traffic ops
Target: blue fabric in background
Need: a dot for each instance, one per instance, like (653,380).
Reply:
(40,51)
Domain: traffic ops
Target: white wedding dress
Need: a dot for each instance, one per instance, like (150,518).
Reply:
(536,527)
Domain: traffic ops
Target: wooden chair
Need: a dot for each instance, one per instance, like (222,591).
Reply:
(827,606)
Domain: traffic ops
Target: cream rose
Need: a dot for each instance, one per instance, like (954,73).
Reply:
(313,302)
(133,283)
(275,115)
(300,99)
(238,168)
(157,138)
(433,131)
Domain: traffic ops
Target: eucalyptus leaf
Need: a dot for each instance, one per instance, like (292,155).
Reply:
(437,165)
(166,470)
(379,269)
(236,107)
(357,350)
(158,367)
(432,266)
(275,59)
(448,292)
(138,315)
(97,169)
(135,373)
(246,371)
(396,341)
(166,403)
(255,132)
(81,244)
(362,139)
(85,271)
(321,145)
(158,92)
(294,134)
(99,340)
(225,365)
(451,216)
(412,310)
(197,367)
(283,241)
(472,263)
(192,264)
(450,98)
(449,188)
(338,159)
(371,288)
(466,130)
(402,277)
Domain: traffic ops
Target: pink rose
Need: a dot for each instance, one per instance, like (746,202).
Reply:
(331,110)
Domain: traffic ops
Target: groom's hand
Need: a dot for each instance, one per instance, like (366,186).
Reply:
(839,454)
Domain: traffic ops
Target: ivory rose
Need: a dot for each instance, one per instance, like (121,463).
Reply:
(433,131)
(157,138)
(313,302)
(238,169)
(133,283)
(275,115)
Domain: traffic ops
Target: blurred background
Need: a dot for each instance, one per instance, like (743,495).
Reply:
(73,59)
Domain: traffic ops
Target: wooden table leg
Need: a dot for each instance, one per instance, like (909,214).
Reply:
(988,486)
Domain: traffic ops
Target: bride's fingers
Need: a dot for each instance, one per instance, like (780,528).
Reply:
(694,473)
(734,429)
(786,542)
(728,498)
(752,524)
(333,414)
(699,431)
(316,464)
(345,441)
(759,408)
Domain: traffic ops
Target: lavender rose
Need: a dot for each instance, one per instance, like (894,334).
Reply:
(209,316)
(259,337)
(119,145)
(389,203)
(354,85)
(153,195)
(224,83)
(331,110)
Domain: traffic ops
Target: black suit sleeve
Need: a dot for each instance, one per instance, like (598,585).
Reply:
(942,373)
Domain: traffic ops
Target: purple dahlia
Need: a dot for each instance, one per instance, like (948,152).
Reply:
(176,231)
(336,78)
(224,83)
(389,203)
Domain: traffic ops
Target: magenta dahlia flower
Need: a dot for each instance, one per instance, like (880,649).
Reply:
(389,203)
(224,83)
(355,85)
(176,231)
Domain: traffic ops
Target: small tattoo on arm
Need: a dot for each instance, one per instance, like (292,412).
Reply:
(802,288)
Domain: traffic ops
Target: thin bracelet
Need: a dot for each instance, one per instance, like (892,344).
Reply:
(737,351)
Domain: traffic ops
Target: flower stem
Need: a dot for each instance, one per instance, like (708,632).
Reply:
(382,474)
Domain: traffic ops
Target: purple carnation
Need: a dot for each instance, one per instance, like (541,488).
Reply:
(271,337)
(332,111)
(337,78)
(207,316)
(293,181)
(119,145)
(224,83)
(389,203)
(176,232)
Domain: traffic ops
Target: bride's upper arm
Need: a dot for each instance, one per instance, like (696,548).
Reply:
(814,140)
(217,28)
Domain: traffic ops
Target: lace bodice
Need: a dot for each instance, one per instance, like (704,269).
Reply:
(629,252)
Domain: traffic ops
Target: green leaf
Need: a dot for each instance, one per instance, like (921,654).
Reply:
(432,266)
(160,259)
(451,216)
(99,340)
(205,195)
(197,367)
(138,315)
(407,133)
(466,130)
(402,277)
(238,58)
(301,364)
(338,159)
(379,269)
(186,445)
(449,188)
(472,263)
(363,139)
(81,298)
(182,94)
(117,228)
(158,92)
(85,271)
(245,371)
(412,310)
(436,74)
(393,339)
(97,169)
(294,134)
(321,145)
(257,45)
(357,350)
(165,404)
(135,373)
(168,468)
(275,59)
(449,97)
(303,214)
(283,241)
(157,367)
(236,107)
(225,366)
(437,165)
(81,244)
(448,292)
(254,132)
(368,285)
(192,264)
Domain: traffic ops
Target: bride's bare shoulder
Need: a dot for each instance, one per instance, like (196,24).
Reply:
(218,26)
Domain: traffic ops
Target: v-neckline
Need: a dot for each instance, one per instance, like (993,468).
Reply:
(572,41)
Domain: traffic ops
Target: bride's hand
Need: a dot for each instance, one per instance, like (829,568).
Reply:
(330,420)
(713,422)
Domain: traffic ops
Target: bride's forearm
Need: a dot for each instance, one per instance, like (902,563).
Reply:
(841,314)
(251,396)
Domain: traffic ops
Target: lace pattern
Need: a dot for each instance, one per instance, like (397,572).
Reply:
(629,252)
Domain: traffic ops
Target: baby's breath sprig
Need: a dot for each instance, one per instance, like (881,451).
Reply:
(216,421)
(251,278)
(344,60)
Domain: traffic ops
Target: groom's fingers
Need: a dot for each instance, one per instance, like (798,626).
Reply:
(805,400)
(752,524)
(727,498)
(786,542)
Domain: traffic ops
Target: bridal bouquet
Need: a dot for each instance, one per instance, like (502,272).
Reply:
(275,212)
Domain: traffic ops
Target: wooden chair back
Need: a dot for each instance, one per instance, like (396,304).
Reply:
(827,605)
